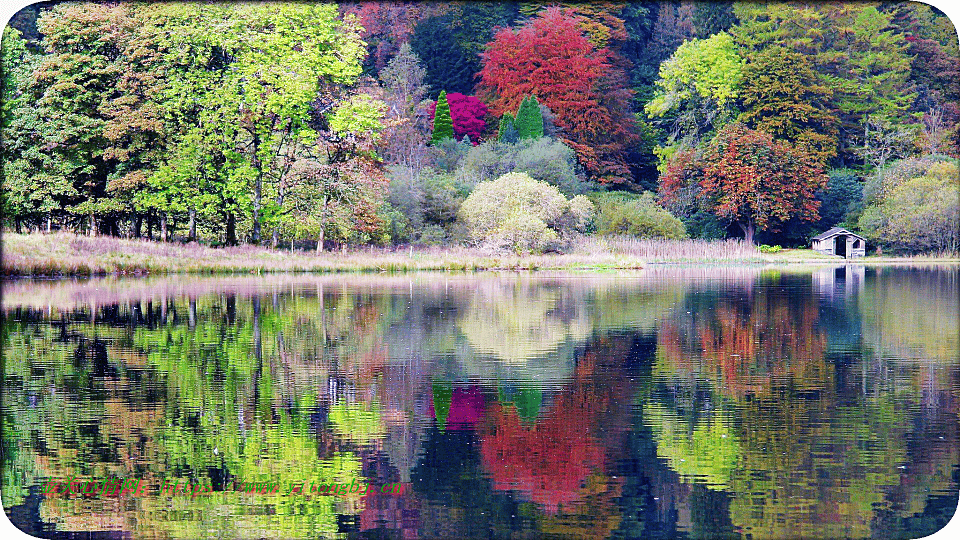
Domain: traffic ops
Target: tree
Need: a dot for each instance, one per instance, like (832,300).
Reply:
(711,18)
(529,123)
(884,139)
(544,159)
(620,213)
(852,48)
(449,67)
(522,214)
(697,89)
(388,25)
(442,123)
(747,177)
(404,89)
(920,214)
(31,188)
(552,58)
(781,95)
(283,59)
(70,88)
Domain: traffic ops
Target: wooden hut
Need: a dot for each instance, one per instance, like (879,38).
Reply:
(839,241)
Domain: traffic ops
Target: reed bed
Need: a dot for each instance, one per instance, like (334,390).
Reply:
(66,254)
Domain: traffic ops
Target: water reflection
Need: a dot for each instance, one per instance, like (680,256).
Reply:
(667,403)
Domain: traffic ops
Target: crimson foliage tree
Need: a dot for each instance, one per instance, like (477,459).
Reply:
(747,177)
(552,58)
(468,113)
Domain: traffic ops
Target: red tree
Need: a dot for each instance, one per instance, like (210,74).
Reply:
(552,58)
(468,113)
(747,177)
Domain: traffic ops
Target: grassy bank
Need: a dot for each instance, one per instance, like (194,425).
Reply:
(65,254)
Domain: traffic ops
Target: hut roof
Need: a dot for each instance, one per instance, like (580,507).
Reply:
(835,231)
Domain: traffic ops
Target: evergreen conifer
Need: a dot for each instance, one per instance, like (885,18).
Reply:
(442,123)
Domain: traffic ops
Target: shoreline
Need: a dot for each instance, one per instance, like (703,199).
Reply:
(65,255)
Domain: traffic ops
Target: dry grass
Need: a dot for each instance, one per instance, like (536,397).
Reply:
(66,254)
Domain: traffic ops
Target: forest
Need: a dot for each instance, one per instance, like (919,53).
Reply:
(512,126)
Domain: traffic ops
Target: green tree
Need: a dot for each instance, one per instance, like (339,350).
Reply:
(635,215)
(854,50)
(507,132)
(697,90)
(529,122)
(781,96)
(442,123)
(31,189)
(919,214)
(449,66)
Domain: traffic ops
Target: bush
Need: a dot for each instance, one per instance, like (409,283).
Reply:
(519,213)
(635,215)
(769,249)
(447,154)
(919,214)
(545,159)
(887,179)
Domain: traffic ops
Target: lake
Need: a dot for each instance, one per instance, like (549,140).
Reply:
(672,402)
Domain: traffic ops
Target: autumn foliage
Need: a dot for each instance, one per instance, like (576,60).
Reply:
(552,58)
(747,177)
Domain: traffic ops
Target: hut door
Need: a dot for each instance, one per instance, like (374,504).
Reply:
(840,246)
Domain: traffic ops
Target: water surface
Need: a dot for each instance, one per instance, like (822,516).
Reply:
(672,402)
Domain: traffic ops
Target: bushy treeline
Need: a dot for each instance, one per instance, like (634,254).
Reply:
(375,122)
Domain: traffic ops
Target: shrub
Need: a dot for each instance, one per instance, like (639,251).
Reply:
(545,159)
(769,249)
(635,215)
(919,214)
(519,213)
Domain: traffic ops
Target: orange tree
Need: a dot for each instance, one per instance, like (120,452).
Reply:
(746,177)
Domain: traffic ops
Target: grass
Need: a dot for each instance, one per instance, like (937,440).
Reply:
(66,254)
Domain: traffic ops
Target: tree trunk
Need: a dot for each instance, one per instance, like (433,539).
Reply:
(257,191)
(17,226)
(748,230)
(323,220)
(149,227)
(137,224)
(276,238)
(93,225)
(231,229)
(49,224)
(163,227)
(193,225)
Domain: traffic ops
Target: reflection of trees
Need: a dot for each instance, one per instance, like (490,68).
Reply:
(912,313)
(200,400)
(518,321)
(814,445)
(560,461)
(747,345)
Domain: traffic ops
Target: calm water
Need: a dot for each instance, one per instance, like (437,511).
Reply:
(670,403)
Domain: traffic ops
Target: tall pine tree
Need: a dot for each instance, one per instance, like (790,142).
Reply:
(529,122)
(442,123)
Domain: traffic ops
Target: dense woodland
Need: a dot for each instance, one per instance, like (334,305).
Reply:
(508,125)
